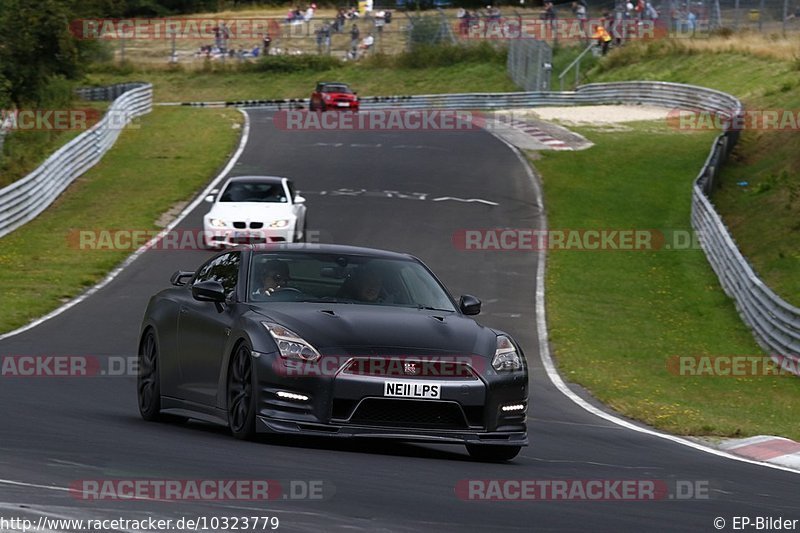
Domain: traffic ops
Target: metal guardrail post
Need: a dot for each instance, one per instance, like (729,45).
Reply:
(575,63)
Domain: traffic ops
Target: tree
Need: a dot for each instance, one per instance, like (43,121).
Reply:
(37,47)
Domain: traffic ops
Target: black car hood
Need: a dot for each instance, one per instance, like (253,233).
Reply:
(353,329)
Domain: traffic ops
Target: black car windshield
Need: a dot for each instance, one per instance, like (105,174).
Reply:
(253,191)
(344,278)
(336,89)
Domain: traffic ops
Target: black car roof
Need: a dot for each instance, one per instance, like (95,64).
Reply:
(328,249)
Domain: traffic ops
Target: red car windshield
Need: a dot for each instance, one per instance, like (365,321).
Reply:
(336,89)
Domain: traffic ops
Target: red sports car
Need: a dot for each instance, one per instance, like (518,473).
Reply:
(333,95)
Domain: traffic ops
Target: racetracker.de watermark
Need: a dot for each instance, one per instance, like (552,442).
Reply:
(159,29)
(735,366)
(594,239)
(634,490)
(750,119)
(399,366)
(67,366)
(563,29)
(176,239)
(381,120)
(200,489)
(61,119)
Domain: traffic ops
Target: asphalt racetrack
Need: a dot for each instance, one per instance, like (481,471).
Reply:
(395,190)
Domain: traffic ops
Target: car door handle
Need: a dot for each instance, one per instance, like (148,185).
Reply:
(184,310)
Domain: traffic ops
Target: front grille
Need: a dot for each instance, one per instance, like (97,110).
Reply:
(422,414)
(239,225)
(256,225)
(411,368)
(249,239)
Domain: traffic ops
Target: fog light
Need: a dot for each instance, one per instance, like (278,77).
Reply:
(292,396)
(512,407)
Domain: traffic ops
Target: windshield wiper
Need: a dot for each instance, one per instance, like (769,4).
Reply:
(326,300)
(429,308)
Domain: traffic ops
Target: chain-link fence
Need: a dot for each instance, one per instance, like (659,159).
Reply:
(530,63)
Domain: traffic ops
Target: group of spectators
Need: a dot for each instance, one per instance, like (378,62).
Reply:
(604,31)
(467,18)
(358,46)
(297,15)
(220,50)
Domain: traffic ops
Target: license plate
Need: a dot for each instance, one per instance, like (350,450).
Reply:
(343,104)
(412,389)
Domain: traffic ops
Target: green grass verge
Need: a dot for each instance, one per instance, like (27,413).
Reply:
(449,69)
(24,150)
(149,170)
(763,214)
(615,317)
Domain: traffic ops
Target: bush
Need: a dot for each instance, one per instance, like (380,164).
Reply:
(426,56)
(297,63)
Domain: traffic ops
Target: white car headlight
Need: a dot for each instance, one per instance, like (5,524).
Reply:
(506,357)
(216,223)
(290,344)
(279,223)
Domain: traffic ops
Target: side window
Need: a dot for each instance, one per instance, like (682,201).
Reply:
(292,193)
(224,269)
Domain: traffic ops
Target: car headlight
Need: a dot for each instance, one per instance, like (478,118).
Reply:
(506,357)
(290,344)
(279,223)
(216,223)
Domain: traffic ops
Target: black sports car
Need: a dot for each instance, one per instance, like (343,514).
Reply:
(331,340)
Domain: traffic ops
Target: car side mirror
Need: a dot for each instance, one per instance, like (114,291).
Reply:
(299,199)
(208,291)
(180,277)
(210,198)
(469,305)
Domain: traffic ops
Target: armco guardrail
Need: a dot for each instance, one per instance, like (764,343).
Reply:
(25,199)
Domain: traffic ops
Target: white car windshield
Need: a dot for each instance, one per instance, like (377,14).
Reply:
(243,191)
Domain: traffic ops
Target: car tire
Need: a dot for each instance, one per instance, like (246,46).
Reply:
(148,385)
(302,236)
(492,453)
(240,394)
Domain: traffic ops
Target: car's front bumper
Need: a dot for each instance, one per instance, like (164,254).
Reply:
(217,237)
(500,438)
(323,399)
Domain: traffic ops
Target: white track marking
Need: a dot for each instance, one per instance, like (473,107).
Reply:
(135,255)
(466,200)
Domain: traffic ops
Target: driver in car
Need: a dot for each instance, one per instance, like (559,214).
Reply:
(370,286)
(274,276)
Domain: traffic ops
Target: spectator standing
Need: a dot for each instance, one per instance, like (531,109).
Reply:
(380,21)
(579,9)
(603,37)
(265,44)
(225,35)
(355,34)
(323,37)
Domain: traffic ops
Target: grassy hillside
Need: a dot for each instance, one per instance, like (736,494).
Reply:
(759,196)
